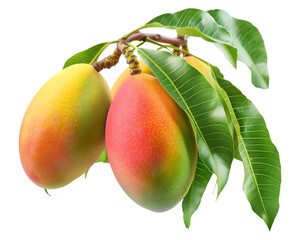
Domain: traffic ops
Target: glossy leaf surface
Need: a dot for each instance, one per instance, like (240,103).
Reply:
(212,79)
(197,97)
(193,198)
(249,44)
(260,156)
(88,56)
(198,23)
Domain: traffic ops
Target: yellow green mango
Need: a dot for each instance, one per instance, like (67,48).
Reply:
(63,130)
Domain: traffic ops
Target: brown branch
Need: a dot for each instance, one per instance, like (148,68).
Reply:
(123,48)
(177,52)
(185,48)
(156,37)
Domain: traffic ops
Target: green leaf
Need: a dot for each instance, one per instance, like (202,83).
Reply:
(229,114)
(103,157)
(197,97)
(197,23)
(229,53)
(260,156)
(216,71)
(249,44)
(212,79)
(86,173)
(45,189)
(87,56)
(192,199)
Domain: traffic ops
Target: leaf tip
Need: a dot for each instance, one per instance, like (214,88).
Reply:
(65,65)
(85,174)
(269,223)
(219,185)
(260,85)
(47,192)
(187,222)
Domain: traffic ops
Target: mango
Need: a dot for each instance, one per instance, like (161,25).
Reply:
(126,74)
(63,130)
(150,144)
(202,67)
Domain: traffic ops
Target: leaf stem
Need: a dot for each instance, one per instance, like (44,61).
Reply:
(132,32)
(186,52)
(159,44)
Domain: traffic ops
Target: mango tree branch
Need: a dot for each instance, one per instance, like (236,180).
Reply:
(157,37)
(122,48)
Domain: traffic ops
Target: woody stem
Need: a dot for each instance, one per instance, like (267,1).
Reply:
(157,37)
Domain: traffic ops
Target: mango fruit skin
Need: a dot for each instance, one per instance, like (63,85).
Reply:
(63,130)
(126,74)
(150,144)
(202,67)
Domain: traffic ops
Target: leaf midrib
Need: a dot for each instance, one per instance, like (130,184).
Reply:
(237,127)
(254,177)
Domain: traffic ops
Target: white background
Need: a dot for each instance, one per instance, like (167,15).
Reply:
(36,39)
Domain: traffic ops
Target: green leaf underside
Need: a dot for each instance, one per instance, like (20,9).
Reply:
(260,156)
(88,56)
(197,23)
(229,53)
(197,97)
(192,199)
(249,44)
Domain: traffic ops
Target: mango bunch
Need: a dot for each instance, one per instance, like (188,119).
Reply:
(150,142)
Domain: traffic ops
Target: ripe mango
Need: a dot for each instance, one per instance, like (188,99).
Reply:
(150,144)
(62,132)
(201,66)
(126,74)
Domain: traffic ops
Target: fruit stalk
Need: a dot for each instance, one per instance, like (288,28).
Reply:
(123,48)
(131,59)
(108,61)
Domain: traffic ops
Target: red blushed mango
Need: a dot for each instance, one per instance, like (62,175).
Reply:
(150,144)
(63,130)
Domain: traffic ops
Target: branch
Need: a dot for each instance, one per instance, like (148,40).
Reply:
(122,47)
(157,37)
